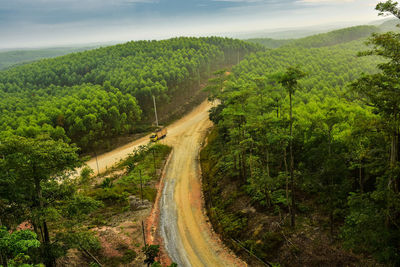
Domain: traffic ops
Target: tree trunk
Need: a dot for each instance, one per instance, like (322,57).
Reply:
(244,166)
(49,260)
(393,161)
(287,180)
(330,183)
(292,215)
(3,259)
(251,164)
(360,177)
(268,164)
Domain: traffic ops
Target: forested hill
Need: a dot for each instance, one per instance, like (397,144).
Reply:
(390,25)
(320,40)
(94,95)
(269,42)
(337,149)
(335,37)
(14,57)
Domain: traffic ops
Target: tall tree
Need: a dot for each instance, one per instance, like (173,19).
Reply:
(33,164)
(289,80)
(382,89)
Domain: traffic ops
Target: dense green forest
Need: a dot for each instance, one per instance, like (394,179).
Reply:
(16,57)
(53,109)
(304,134)
(95,95)
(270,43)
(301,169)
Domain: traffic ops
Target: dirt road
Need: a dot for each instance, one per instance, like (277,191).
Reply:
(183,225)
(187,236)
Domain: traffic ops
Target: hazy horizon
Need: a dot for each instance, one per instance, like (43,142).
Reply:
(45,23)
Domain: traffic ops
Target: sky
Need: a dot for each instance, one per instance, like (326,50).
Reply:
(40,23)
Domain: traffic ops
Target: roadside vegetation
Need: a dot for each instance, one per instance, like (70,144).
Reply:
(302,165)
(84,220)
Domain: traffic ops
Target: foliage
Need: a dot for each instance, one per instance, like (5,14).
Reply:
(96,95)
(11,58)
(141,166)
(270,43)
(15,246)
(335,37)
(377,213)
(36,189)
(86,173)
(107,183)
(341,138)
(151,252)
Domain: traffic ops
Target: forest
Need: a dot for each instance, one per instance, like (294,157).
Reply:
(23,56)
(54,110)
(307,136)
(89,97)
(301,167)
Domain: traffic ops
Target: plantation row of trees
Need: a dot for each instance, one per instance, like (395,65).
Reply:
(302,125)
(107,92)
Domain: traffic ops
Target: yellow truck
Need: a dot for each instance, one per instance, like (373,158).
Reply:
(160,133)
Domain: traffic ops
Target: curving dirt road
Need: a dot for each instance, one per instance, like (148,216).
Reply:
(187,235)
(183,225)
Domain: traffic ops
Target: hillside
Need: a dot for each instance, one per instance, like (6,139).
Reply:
(247,160)
(270,43)
(330,38)
(90,97)
(390,25)
(320,40)
(335,37)
(14,57)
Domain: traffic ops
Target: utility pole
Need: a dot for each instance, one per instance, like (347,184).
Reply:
(97,163)
(141,185)
(198,74)
(155,109)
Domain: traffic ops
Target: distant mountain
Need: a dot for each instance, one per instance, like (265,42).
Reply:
(17,57)
(336,37)
(390,25)
(321,40)
(284,33)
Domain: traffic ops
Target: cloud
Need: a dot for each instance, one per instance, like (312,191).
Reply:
(326,1)
(31,22)
(240,1)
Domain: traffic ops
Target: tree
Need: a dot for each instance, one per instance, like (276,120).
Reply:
(151,252)
(32,164)
(289,80)
(15,246)
(382,90)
